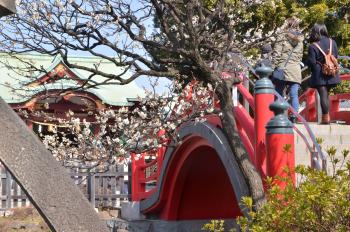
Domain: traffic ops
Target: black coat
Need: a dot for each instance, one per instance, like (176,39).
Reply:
(316,58)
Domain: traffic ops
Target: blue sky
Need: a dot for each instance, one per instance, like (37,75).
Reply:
(141,81)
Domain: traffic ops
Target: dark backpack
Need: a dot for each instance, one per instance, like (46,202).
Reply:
(330,67)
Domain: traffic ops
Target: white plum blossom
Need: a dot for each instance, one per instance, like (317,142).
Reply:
(115,133)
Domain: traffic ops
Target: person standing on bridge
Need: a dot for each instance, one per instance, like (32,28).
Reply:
(288,52)
(319,39)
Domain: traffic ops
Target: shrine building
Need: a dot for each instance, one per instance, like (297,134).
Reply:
(34,83)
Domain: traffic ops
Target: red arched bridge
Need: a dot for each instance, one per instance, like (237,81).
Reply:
(200,177)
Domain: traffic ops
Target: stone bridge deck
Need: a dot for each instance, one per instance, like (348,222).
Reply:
(336,135)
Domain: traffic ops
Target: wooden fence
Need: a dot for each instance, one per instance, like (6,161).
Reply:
(103,190)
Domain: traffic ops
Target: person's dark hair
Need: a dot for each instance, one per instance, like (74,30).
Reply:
(317,31)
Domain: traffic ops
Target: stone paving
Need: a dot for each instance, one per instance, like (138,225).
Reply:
(336,135)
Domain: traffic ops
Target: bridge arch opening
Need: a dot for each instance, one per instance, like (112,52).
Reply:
(202,188)
(200,178)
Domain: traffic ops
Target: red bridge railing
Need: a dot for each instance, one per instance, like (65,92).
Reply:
(243,115)
(310,100)
(145,171)
(146,166)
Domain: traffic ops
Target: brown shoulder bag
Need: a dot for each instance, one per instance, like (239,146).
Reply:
(330,67)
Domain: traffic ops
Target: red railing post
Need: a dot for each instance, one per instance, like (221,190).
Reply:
(264,96)
(310,112)
(280,145)
(334,105)
(160,152)
(137,173)
(311,105)
(160,156)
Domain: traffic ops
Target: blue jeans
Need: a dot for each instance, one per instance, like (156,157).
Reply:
(293,92)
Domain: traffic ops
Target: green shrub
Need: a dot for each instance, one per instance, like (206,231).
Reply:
(343,87)
(320,203)
(214,226)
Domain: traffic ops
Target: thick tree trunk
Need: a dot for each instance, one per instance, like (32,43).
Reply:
(249,171)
